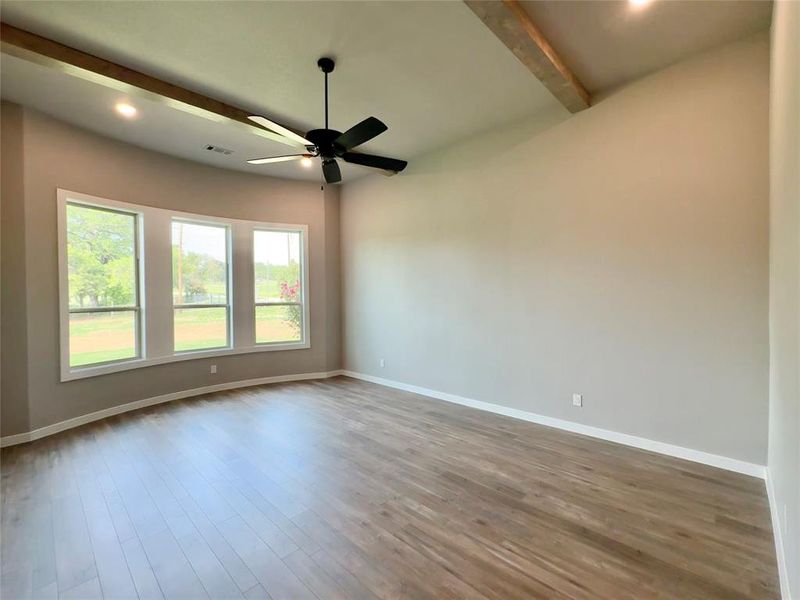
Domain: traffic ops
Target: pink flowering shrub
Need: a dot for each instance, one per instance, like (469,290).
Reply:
(291,293)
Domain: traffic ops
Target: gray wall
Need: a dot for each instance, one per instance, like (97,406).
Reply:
(784,309)
(52,154)
(621,254)
(14,413)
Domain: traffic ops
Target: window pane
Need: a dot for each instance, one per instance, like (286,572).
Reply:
(199,264)
(101,337)
(200,328)
(276,255)
(101,257)
(279,324)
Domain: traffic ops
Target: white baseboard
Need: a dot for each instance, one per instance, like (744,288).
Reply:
(21,438)
(783,567)
(714,460)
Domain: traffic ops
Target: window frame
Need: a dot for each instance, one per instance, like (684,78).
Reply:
(228,306)
(303,248)
(66,311)
(156,311)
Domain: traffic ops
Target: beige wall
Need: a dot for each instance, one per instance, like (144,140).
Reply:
(56,155)
(784,310)
(621,254)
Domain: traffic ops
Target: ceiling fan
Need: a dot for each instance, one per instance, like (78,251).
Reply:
(329,144)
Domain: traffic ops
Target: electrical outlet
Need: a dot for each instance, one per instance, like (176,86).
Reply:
(382,363)
(213,369)
(577,399)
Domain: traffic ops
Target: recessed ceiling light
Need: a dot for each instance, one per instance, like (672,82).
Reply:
(126,110)
(639,3)
(306,162)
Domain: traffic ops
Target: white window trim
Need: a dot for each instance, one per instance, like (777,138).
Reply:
(155,288)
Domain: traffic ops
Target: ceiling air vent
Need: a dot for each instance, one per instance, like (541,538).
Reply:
(219,149)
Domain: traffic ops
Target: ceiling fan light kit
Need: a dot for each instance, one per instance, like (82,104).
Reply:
(329,144)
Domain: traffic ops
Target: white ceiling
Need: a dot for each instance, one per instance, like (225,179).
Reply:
(610,42)
(430,70)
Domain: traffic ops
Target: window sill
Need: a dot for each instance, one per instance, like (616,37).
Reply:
(71,374)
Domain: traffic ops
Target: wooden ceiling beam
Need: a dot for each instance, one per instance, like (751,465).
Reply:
(29,46)
(511,23)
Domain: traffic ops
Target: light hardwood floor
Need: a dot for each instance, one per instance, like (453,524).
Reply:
(339,489)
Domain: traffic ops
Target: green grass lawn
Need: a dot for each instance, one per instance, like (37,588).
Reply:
(100,356)
(200,329)
(111,336)
(101,337)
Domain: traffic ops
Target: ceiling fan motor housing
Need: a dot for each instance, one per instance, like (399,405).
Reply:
(323,139)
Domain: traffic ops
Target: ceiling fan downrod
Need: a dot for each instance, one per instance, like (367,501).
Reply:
(326,65)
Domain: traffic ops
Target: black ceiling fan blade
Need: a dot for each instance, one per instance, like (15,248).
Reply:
(330,169)
(361,133)
(376,162)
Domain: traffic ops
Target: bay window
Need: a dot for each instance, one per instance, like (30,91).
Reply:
(141,286)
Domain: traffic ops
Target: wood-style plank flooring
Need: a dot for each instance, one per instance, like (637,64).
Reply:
(344,490)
